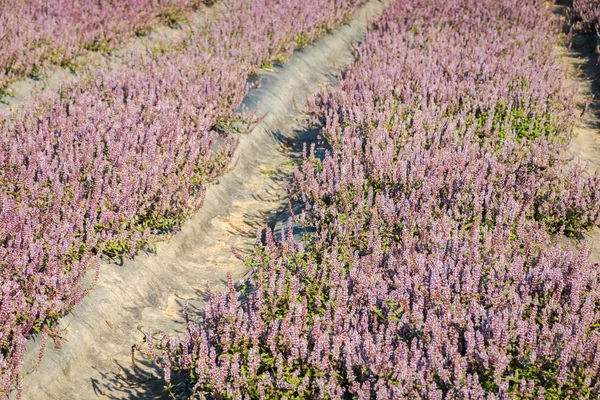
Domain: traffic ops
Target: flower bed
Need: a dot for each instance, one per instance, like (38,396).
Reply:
(106,163)
(436,269)
(37,33)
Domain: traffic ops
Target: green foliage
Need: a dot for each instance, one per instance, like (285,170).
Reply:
(522,122)
(268,65)
(100,44)
(573,224)
(173,18)
(545,375)
(302,40)
(142,31)
(36,72)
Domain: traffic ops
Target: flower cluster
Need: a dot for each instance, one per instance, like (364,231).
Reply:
(436,269)
(106,162)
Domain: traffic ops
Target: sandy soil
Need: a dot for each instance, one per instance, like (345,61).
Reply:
(583,70)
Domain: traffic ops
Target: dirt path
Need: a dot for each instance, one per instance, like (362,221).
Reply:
(94,360)
(584,71)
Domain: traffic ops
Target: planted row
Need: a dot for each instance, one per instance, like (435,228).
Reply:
(585,16)
(104,164)
(35,33)
(436,269)
(588,14)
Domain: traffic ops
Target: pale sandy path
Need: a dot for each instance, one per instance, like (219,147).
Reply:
(583,70)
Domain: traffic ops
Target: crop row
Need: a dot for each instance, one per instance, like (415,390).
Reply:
(436,269)
(106,163)
(588,14)
(38,33)
(585,15)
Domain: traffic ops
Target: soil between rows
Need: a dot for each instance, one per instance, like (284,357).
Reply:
(580,57)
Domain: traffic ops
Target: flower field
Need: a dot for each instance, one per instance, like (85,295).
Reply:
(438,268)
(38,33)
(107,163)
